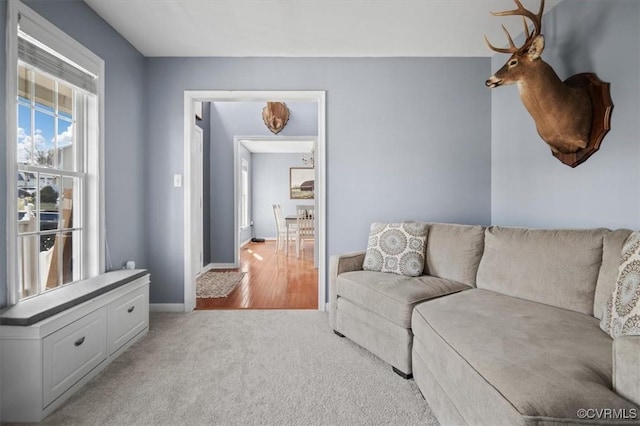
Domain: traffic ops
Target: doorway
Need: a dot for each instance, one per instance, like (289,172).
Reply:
(190,195)
(270,181)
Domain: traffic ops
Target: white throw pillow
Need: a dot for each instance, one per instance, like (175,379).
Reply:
(621,314)
(397,247)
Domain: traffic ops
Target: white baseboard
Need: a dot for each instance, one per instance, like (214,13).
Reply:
(166,307)
(244,243)
(221,266)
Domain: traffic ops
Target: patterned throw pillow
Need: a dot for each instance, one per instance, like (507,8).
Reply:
(621,314)
(397,247)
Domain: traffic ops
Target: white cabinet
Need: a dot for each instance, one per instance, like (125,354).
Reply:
(73,351)
(128,316)
(43,364)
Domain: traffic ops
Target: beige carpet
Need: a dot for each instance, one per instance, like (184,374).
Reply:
(245,367)
(214,284)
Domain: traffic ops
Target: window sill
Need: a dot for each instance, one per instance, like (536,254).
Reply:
(31,311)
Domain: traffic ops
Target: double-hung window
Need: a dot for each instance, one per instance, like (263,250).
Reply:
(54,197)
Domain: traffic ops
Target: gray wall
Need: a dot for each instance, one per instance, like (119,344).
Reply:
(271,186)
(407,138)
(125,147)
(532,188)
(229,119)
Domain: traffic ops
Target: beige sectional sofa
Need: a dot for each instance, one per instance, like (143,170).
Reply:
(502,328)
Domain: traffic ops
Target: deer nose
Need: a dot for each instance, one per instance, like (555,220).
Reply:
(493,82)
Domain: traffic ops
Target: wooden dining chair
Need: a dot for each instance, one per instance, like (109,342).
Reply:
(281,229)
(306,226)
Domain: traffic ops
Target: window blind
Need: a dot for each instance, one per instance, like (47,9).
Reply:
(56,66)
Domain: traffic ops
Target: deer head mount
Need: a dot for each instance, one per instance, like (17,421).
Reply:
(275,116)
(573,116)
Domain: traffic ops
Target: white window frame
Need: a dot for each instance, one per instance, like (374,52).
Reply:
(93,195)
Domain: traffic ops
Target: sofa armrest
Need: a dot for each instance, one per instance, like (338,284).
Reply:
(626,367)
(339,264)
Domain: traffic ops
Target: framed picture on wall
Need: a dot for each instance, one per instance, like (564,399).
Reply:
(302,183)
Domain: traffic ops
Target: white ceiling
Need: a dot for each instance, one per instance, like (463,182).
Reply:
(310,28)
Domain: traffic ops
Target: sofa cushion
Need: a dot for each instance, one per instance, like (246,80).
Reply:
(397,248)
(622,313)
(454,251)
(611,259)
(546,362)
(555,267)
(392,296)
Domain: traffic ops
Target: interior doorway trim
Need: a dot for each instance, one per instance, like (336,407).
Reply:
(190,97)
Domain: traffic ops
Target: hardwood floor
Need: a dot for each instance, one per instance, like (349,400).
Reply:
(273,280)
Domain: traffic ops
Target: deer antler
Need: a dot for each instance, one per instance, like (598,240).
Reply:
(519,11)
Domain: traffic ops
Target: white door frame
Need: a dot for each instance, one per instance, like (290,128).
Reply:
(197,215)
(190,96)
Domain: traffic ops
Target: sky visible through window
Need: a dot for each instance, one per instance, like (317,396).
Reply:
(44,130)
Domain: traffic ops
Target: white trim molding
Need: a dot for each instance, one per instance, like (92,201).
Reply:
(11,79)
(190,96)
(223,265)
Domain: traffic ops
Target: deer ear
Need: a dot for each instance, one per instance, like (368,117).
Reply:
(536,48)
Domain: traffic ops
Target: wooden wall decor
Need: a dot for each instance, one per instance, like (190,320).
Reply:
(601,123)
(275,115)
(573,116)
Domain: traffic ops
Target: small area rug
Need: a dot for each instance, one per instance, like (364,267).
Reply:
(214,284)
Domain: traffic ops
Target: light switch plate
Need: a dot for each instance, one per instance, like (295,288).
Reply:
(177,181)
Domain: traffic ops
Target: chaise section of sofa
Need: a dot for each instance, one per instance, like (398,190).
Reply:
(525,346)
(505,360)
(374,309)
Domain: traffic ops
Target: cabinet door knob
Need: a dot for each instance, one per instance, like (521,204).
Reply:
(131,309)
(79,341)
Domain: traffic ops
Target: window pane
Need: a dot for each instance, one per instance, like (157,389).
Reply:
(70,254)
(45,92)
(66,147)
(65,100)
(48,195)
(27,221)
(25,77)
(49,263)
(70,195)
(24,135)
(44,146)
(28,265)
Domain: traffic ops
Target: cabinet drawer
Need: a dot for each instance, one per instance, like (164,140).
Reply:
(72,352)
(128,316)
